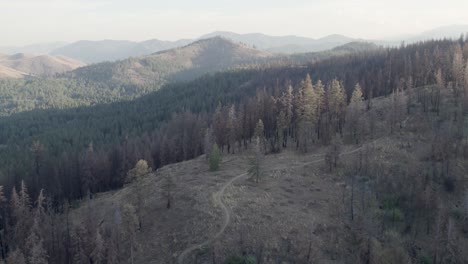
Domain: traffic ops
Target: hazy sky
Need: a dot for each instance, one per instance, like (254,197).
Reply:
(32,21)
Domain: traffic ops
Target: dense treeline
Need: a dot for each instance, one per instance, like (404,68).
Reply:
(116,81)
(86,150)
(19,95)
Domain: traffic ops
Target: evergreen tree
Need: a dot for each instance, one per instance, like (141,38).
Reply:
(16,257)
(260,133)
(3,222)
(219,127)
(320,93)
(354,111)
(457,69)
(255,162)
(435,97)
(208,142)
(287,102)
(21,214)
(281,124)
(98,254)
(34,242)
(215,158)
(168,186)
(231,129)
(336,98)
(307,113)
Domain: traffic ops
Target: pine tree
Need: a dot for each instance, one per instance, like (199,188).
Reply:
(465,88)
(3,221)
(354,110)
(168,186)
(130,224)
(308,113)
(231,128)
(208,142)
(21,214)
(260,133)
(320,93)
(88,165)
(37,150)
(281,124)
(457,69)
(435,98)
(255,166)
(288,102)
(397,113)
(98,254)
(16,257)
(336,105)
(410,92)
(219,127)
(35,243)
(81,244)
(215,158)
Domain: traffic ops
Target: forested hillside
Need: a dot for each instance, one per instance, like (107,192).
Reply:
(111,128)
(415,97)
(193,60)
(132,78)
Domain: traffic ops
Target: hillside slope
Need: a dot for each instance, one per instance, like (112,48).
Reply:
(37,49)
(7,72)
(184,63)
(19,65)
(300,212)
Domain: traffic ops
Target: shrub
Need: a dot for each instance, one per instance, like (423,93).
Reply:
(240,260)
(141,169)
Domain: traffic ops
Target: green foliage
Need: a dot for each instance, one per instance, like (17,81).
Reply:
(140,169)
(240,260)
(215,158)
(425,259)
(255,166)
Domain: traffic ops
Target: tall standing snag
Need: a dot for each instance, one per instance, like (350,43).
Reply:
(168,187)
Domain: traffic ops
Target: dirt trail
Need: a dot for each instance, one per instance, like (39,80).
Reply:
(227,213)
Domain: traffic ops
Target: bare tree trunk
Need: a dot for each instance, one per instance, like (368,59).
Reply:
(352,198)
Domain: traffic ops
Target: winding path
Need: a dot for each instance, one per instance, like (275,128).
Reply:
(227,213)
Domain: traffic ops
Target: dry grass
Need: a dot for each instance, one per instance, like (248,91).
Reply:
(296,203)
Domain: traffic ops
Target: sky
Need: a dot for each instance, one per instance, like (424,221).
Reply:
(34,21)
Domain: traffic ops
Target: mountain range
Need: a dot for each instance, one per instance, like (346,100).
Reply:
(184,63)
(112,50)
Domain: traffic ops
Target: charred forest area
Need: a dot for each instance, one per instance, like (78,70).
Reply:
(411,207)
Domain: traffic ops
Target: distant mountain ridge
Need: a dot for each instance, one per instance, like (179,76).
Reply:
(36,49)
(184,63)
(451,32)
(285,44)
(112,50)
(21,65)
